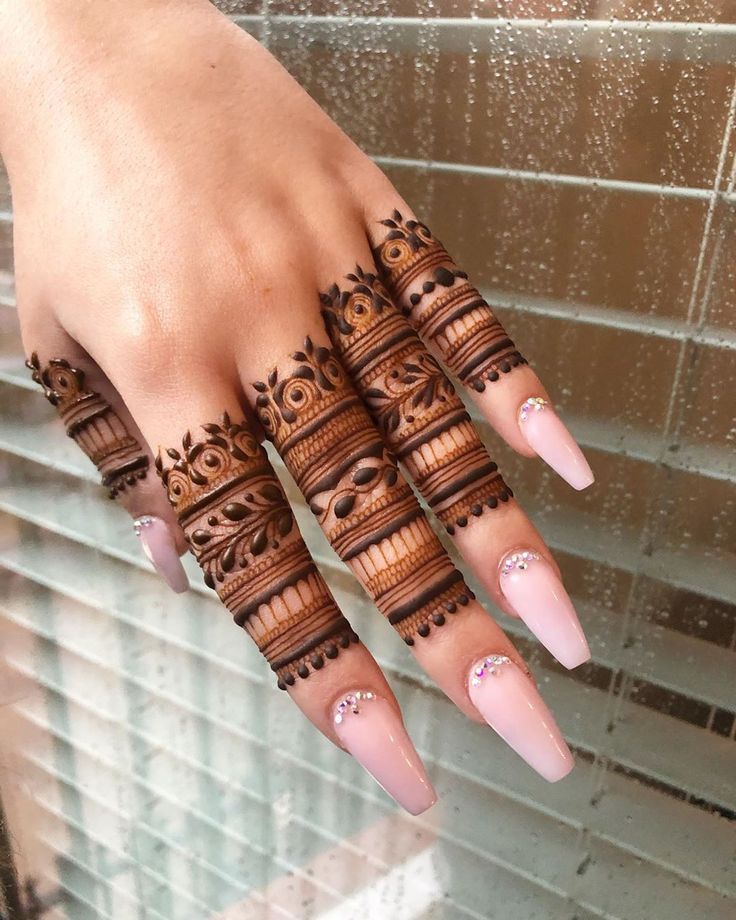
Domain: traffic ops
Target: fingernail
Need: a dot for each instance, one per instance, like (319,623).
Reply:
(159,547)
(509,702)
(547,436)
(531,586)
(372,731)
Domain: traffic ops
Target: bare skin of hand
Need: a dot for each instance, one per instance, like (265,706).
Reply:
(188,224)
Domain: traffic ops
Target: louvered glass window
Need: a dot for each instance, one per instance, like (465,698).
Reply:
(579,160)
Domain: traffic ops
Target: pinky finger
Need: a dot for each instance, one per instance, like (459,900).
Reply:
(98,420)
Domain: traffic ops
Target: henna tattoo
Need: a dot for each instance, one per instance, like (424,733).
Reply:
(92,422)
(350,479)
(448,311)
(412,402)
(241,529)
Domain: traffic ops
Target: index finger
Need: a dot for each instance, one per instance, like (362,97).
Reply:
(460,328)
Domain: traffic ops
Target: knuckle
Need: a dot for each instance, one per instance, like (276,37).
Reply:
(141,328)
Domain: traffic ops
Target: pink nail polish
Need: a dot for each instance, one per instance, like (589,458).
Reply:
(547,436)
(159,547)
(509,702)
(372,731)
(531,586)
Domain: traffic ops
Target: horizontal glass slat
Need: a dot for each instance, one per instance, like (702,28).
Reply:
(588,38)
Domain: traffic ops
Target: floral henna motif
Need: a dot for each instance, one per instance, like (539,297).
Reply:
(241,529)
(412,402)
(93,423)
(321,428)
(448,311)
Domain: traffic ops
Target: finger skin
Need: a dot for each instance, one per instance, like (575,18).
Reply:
(499,405)
(364,719)
(486,542)
(414,406)
(446,308)
(240,527)
(308,408)
(93,423)
(516,568)
(451,653)
(502,694)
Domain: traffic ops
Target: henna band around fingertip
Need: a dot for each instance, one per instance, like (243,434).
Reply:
(242,531)
(446,309)
(92,422)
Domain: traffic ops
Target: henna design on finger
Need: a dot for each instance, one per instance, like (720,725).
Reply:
(350,479)
(92,422)
(412,402)
(242,531)
(447,310)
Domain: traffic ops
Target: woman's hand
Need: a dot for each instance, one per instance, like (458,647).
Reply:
(202,258)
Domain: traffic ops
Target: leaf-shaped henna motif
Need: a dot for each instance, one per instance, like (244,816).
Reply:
(243,527)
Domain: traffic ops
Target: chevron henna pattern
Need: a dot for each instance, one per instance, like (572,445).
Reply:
(241,529)
(350,479)
(412,402)
(446,309)
(92,422)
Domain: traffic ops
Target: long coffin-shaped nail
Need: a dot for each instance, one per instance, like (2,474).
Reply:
(531,586)
(159,547)
(509,702)
(547,436)
(372,731)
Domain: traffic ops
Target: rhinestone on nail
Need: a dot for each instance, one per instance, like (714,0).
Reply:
(490,666)
(518,561)
(533,404)
(139,523)
(350,703)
